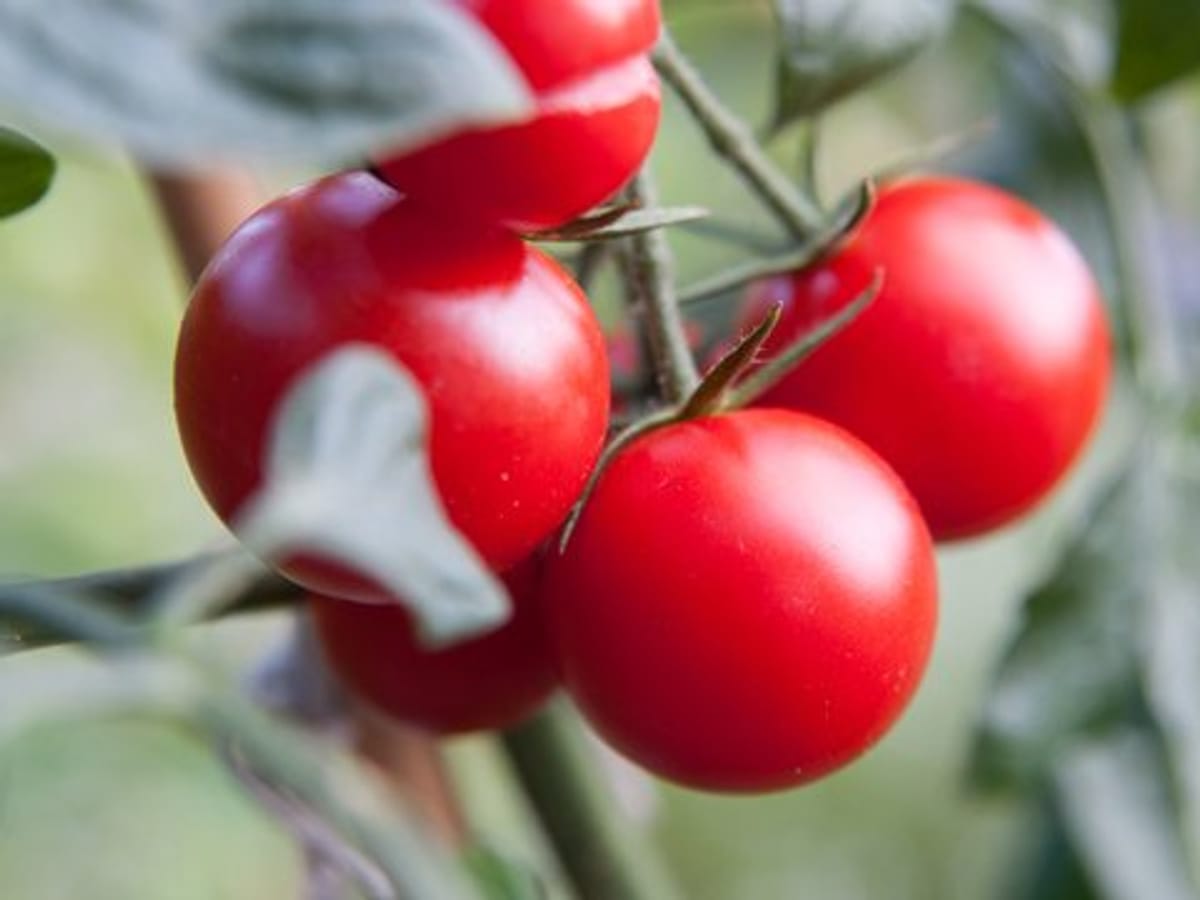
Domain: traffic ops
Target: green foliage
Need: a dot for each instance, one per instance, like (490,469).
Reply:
(1095,698)
(1156,45)
(318,80)
(128,809)
(501,878)
(832,48)
(26,170)
(348,439)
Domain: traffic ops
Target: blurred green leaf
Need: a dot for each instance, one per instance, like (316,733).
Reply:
(348,479)
(1072,667)
(305,80)
(831,48)
(1049,869)
(26,170)
(130,809)
(501,878)
(1156,44)
(1117,800)
(1096,695)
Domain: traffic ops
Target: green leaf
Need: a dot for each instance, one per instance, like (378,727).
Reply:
(831,48)
(1096,695)
(1116,800)
(26,170)
(501,878)
(348,479)
(1072,667)
(1156,45)
(300,80)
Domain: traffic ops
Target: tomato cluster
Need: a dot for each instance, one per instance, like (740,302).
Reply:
(748,598)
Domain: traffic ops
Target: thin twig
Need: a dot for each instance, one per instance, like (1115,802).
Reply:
(850,214)
(650,277)
(733,140)
(782,364)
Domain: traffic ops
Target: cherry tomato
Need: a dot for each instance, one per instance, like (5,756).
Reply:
(747,602)
(981,368)
(489,682)
(597,113)
(510,356)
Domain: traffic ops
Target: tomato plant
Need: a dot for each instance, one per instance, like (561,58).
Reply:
(747,602)
(489,682)
(981,368)
(596,117)
(509,354)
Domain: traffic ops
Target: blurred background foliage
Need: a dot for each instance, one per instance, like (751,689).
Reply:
(92,477)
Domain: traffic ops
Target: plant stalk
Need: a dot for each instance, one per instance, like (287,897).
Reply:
(735,142)
(650,277)
(602,855)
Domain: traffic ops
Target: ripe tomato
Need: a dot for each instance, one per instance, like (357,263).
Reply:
(748,600)
(509,353)
(982,367)
(597,114)
(489,682)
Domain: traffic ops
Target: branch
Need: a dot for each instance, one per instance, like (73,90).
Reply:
(649,275)
(734,141)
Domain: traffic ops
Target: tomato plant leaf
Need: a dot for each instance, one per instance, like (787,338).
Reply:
(348,479)
(1115,794)
(26,170)
(1156,45)
(1072,666)
(302,80)
(832,48)
(1096,695)
(500,877)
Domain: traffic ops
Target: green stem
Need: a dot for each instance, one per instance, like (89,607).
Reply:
(848,216)
(125,590)
(800,349)
(733,140)
(30,611)
(809,161)
(603,856)
(650,277)
(332,786)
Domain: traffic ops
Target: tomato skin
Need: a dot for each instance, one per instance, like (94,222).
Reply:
(510,356)
(598,106)
(489,682)
(554,43)
(982,367)
(748,601)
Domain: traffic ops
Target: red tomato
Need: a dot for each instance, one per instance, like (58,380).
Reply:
(489,682)
(597,114)
(508,351)
(747,603)
(982,367)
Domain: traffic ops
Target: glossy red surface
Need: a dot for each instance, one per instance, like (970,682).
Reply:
(596,119)
(510,355)
(982,367)
(489,682)
(748,602)
(556,42)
